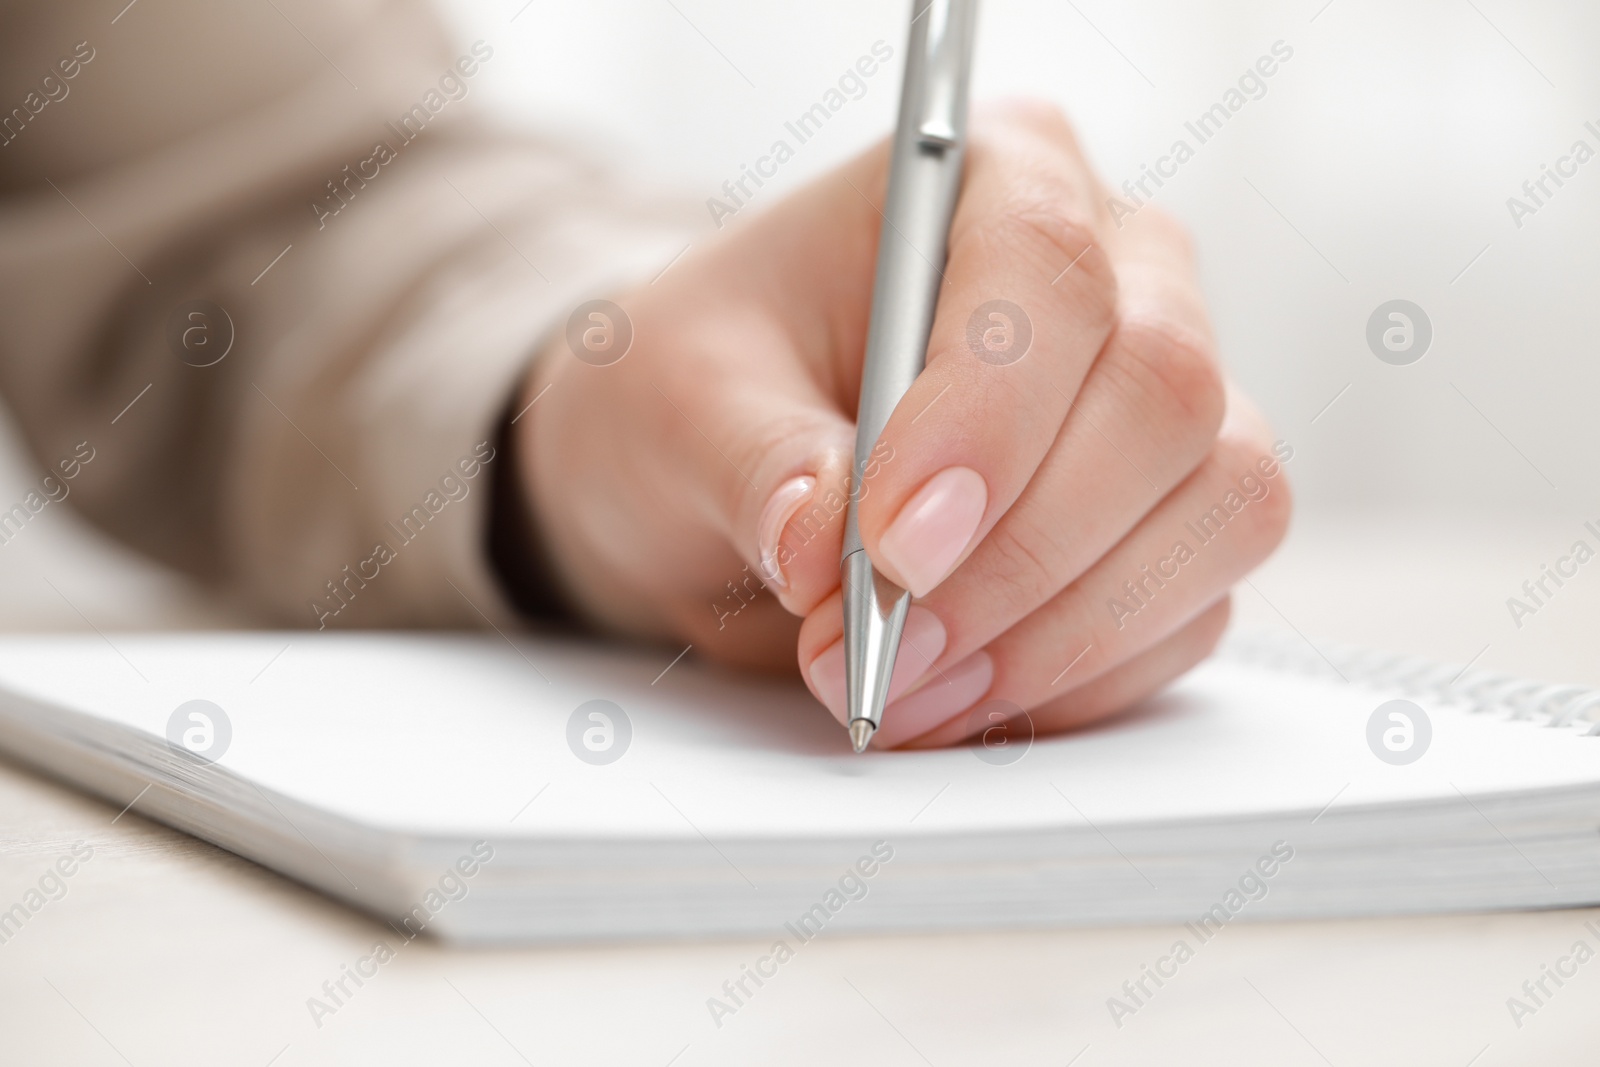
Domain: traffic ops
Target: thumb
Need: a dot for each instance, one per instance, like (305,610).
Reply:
(770,365)
(773,456)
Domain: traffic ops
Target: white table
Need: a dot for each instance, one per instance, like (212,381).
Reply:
(168,951)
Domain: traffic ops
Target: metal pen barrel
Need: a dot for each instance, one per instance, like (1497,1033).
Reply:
(924,182)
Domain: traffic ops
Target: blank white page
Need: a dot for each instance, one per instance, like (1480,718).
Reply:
(453,735)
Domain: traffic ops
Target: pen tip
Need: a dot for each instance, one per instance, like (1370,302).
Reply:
(861,732)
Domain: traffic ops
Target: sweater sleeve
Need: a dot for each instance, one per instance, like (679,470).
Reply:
(268,284)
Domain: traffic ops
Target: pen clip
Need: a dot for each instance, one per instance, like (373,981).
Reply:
(942,55)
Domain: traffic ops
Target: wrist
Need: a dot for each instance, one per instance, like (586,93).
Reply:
(566,506)
(518,551)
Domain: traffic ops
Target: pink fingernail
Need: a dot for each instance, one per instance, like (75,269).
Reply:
(934,528)
(781,506)
(946,695)
(921,643)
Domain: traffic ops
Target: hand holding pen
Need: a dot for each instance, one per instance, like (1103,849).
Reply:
(1034,489)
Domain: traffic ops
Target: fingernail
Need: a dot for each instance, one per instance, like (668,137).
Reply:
(781,506)
(921,643)
(946,695)
(934,528)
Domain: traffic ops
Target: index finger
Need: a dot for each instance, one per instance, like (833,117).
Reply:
(1027,302)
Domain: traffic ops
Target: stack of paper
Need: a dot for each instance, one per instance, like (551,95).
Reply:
(555,791)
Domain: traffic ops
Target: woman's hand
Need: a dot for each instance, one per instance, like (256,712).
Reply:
(1069,489)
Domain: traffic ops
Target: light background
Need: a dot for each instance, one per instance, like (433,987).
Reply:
(1377,165)
(1391,141)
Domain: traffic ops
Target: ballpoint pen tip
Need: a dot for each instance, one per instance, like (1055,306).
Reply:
(861,732)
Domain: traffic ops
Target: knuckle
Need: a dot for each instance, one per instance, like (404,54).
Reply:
(1265,519)
(1278,506)
(1171,231)
(1048,230)
(1024,567)
(1177,373)
(1031,128)
(1051,238)
(1210,626)
(1033,115)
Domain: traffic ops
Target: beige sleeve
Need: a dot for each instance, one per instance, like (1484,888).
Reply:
(386,266)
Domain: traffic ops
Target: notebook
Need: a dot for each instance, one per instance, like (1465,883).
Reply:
(481,790)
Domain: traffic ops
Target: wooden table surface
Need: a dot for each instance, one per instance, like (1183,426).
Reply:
(164,950)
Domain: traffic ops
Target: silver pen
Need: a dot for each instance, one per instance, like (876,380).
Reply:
(924,181)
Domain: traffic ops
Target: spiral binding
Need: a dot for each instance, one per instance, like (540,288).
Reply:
(1478,691)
